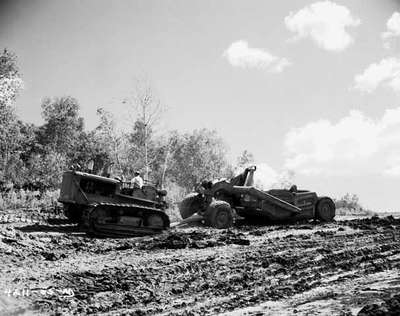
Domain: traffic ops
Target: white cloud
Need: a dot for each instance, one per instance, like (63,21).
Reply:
(393,171)
(392,29)
(387,71)
(356,144)
(239,54)
(324,22)
(266,177)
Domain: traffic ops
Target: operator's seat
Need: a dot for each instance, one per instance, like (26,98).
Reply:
(147,192)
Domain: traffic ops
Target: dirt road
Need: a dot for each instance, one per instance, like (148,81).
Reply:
(302,269)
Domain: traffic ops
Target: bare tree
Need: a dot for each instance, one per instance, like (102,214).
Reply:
(170,150)
(146,109)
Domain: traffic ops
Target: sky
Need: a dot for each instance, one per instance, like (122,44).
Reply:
(307,86)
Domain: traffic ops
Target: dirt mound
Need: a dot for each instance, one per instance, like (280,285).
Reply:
(195,239)
(373,223)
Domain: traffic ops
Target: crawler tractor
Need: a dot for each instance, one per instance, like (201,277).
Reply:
(110,207)
(221,201)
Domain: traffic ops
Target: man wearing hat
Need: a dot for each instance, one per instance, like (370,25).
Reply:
(137,181)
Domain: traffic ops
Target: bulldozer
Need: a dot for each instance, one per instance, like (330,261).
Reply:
(111,207)
(220,202)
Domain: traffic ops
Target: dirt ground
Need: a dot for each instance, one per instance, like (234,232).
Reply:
(348,267)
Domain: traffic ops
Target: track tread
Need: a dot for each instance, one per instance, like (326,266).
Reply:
(121,233)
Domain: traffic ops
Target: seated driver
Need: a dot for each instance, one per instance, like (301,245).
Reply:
(137,180)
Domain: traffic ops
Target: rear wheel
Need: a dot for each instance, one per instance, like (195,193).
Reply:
(219,215)
(325,210)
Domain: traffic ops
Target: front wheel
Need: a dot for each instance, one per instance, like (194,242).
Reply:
(219,215)
(325,210)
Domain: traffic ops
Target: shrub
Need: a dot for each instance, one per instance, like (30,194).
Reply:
(349,204)
(24,199)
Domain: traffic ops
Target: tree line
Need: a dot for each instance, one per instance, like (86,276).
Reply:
(35,156)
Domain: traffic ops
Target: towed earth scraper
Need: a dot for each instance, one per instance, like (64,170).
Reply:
(220,202)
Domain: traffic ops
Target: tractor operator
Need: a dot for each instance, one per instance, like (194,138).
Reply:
(137,181)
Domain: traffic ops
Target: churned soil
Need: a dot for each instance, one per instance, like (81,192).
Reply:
(347,267)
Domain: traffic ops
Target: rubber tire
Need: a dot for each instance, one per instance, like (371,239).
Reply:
(190,205)
(73,213)
(325,210)
(219,215)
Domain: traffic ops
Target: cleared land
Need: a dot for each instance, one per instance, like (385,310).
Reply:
(49,266)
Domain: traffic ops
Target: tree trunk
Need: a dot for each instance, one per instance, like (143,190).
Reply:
(164,168)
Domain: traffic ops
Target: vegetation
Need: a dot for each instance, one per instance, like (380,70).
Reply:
(29,200)
(349,204)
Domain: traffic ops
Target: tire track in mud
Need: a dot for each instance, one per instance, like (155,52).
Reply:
(234,276)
